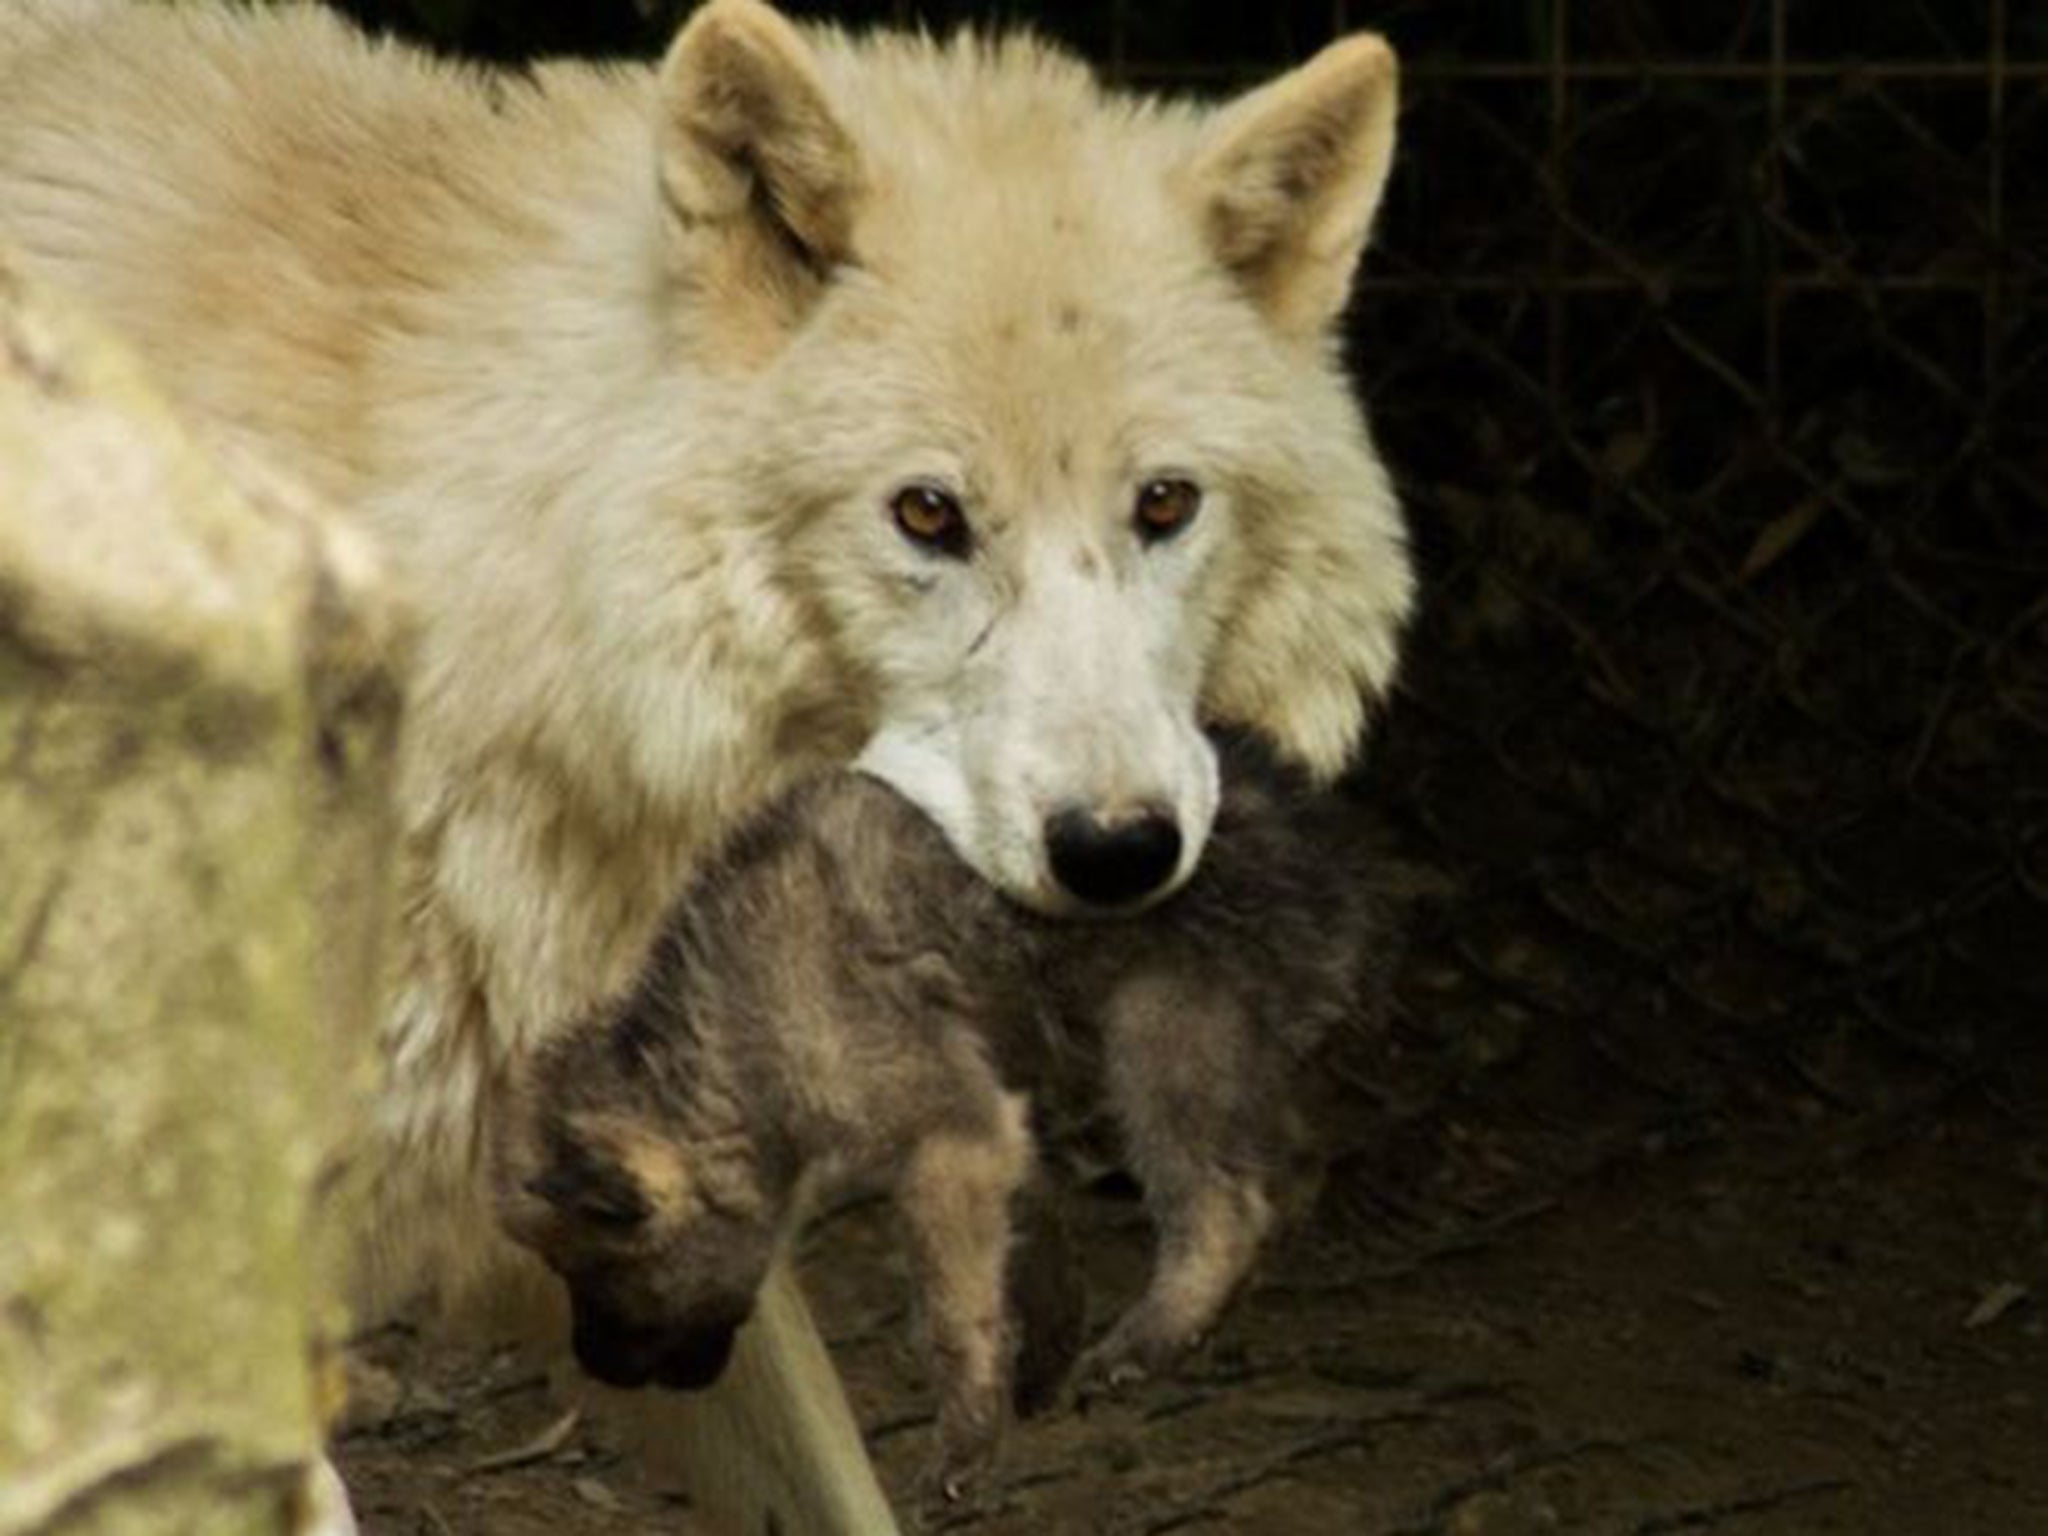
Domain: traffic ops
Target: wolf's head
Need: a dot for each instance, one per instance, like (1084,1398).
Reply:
(1046,416)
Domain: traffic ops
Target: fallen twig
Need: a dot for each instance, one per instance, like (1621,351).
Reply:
(539,1448)
(1995,1303)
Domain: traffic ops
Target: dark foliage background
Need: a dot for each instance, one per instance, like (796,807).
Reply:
(1710,344)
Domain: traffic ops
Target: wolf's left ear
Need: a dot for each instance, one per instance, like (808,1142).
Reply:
(755,165)
(1291,175)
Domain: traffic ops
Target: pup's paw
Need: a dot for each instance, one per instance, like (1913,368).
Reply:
(1052,1325)
(1133,1352)
(1106,1373)
(964,1446)
(1040,1380)
(953,1481)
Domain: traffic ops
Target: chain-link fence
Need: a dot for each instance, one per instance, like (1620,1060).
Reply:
(1711,346)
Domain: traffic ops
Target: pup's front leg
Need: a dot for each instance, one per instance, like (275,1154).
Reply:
(1202,1099)
(955,1197)
(1048,1301)
(1210,1231)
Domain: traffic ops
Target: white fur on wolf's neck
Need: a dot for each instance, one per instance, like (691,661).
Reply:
(625,366)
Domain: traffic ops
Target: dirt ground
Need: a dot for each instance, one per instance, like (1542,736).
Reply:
(1784,1320)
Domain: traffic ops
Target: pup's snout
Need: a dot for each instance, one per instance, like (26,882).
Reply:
(690,1354)
(612,1352)
(1114,862)
(696,1360)
(696,1350)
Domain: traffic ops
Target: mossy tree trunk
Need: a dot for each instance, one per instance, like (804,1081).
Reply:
(196,717)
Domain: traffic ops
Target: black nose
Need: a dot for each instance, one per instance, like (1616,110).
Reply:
(1109,863)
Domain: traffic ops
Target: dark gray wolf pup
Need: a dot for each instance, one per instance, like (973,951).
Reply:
(838,1001)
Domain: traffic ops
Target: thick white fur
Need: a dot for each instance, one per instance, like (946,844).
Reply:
(624,366)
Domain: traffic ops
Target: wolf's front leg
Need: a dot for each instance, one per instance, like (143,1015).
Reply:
(955,1196)
(324,1508)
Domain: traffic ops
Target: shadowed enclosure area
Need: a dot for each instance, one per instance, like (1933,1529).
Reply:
(1704,1182)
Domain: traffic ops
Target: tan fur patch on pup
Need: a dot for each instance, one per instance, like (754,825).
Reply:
(653,1162)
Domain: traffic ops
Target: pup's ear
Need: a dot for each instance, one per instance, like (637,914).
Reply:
(755,165)
(1316,629)
(634,1158)
(601,1170)
(1291,176)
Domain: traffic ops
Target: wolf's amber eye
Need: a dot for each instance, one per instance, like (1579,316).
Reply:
(1165,507)
(931,517)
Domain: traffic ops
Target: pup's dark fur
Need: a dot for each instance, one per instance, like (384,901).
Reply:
(837,1000)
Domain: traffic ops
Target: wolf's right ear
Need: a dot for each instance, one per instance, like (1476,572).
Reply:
(760,178)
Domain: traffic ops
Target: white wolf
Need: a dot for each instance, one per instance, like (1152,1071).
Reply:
(804,394)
